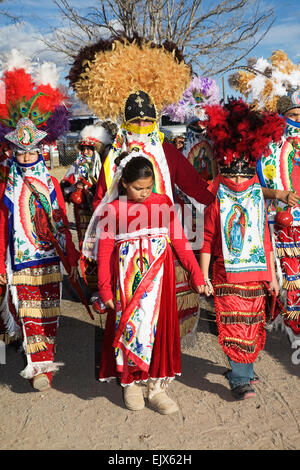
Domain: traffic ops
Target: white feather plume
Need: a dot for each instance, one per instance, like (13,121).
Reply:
(256,86)
(97,132)
(15,59)
(262,64)
(46,73)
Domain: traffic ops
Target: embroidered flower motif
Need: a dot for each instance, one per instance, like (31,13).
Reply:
(270,171)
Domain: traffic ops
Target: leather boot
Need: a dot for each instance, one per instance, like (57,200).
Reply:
(158,398)
(133,397)
(41,382)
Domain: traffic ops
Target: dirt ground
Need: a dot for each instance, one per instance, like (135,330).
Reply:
(80,413)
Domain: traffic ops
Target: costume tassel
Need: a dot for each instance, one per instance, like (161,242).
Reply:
(239,291)
(39,312)
(248,348)
(36,347)
(36,280)
(290,252)
(291,285)
(188,325)
(230,318)
(187,300)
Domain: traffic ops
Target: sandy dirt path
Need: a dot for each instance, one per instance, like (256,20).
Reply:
(80,413)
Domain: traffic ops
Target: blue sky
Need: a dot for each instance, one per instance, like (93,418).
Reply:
(39,16)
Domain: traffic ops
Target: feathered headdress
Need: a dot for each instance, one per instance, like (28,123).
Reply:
(95,136)
(201,91)
(267,82)
(105,74)
(33,108)
(240,132)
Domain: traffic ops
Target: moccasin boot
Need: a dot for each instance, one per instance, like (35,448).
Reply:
(158,398)
(133,397)
(41,382)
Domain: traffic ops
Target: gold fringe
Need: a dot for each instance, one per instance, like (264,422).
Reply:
(186,300)
(244,345)
(187,325)
(85,218)
(181,274)
(291,285)
(239,340)
(292,315)
(36,347)
(36,280)
(7,339)
(39,312)
(247,318)
(240,291)
(290,252)
(240,286)
(93,285)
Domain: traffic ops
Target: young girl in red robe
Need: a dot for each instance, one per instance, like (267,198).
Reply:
(136,278)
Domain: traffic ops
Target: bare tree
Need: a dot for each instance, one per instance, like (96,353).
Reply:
(214,35)
(8,16)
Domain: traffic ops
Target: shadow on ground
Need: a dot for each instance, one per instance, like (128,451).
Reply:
(79,348)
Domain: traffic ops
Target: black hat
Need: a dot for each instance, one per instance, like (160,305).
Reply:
(239,167)
(139,106)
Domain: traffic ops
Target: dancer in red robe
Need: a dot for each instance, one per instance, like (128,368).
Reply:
(136,279)
(137,104)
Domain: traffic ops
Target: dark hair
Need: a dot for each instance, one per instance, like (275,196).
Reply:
(136,168)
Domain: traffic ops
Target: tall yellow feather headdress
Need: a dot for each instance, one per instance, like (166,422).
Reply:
(105,74)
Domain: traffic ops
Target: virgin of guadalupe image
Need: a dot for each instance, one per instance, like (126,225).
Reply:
(25,136)
(40,230)
(235,227)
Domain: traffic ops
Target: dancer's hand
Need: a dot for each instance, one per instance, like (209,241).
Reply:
(274,287)
(200,289)
(110,304)
(208,289)
(3,279)
(290,198)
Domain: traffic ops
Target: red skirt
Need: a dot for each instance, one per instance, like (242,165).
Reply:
(240,316)
(166,354)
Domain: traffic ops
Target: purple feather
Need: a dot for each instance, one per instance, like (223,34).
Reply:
(184,109)
(57,125)
(3,131)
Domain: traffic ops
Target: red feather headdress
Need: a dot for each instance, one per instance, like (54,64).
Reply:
(238,131)
(38,101)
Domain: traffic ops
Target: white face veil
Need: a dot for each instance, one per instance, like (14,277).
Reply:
(92,235)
